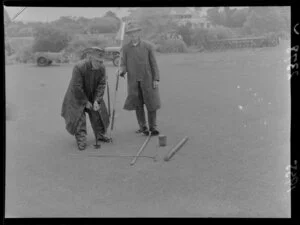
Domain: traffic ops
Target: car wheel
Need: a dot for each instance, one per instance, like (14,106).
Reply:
(42,61)
(116,60)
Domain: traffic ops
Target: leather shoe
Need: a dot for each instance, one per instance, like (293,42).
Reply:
(154,132)
(104,139)
(142,130)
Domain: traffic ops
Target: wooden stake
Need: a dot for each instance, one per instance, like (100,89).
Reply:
(116,156)
(141,149)
(175,149)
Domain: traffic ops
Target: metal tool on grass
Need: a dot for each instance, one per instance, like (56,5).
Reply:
(118,156)
(141,149)
(175,149)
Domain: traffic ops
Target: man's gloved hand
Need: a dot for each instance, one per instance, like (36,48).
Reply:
(96,106)
(88,105)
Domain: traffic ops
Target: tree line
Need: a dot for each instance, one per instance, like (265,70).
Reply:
(227,23)
(253,19)
(109,23)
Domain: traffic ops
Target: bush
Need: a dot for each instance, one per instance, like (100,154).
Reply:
(201,37)
(22,56)
(221,32)
(240,32)
(8,49)
(79,43)
(104,25)
(153,46)
(19,43)
(185,31)
(262,20)
(50,39)
(171,46)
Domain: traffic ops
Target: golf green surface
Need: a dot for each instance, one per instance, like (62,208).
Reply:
(234,106)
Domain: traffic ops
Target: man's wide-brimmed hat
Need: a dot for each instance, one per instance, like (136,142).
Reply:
(132,27)
(95,52)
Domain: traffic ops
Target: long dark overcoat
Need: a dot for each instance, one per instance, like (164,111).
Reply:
(86,85)
(140,64)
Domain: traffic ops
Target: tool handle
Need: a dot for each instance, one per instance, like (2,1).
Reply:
(141,149)
(108,99)
(175,149)
(116,90)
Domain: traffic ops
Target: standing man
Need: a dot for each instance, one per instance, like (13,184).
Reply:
(85,95)
(139,62)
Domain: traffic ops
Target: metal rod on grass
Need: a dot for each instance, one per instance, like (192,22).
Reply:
(117,156)
(141,149)
(175,149)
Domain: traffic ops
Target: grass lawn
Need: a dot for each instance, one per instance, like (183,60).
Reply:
(234,106)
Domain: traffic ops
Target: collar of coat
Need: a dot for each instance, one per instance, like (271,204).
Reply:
(90,66)
(132,45)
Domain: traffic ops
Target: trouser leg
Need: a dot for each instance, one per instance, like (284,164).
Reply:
(96,122)
(140,115)
(152,119)
(81,132)
(140,112)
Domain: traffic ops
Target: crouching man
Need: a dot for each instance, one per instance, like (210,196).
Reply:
(85,95)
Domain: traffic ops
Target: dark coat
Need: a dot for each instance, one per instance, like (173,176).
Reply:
(140,64)
(85,85)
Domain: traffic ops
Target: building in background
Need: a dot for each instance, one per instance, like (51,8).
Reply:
(197,18)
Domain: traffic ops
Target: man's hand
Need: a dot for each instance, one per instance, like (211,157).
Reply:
(88,105)
(120,73)
(96,106)
(155,84)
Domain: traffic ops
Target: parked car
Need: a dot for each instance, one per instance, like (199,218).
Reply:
(46,58)
(113,53)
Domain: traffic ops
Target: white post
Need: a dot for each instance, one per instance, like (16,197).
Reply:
(122,32)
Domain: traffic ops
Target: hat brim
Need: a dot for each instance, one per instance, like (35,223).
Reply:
(96,55)
(97,58)
(95,52)
(133,30)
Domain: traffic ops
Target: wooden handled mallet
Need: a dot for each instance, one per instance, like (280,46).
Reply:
(116,156)
(175,149)
(141,149)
